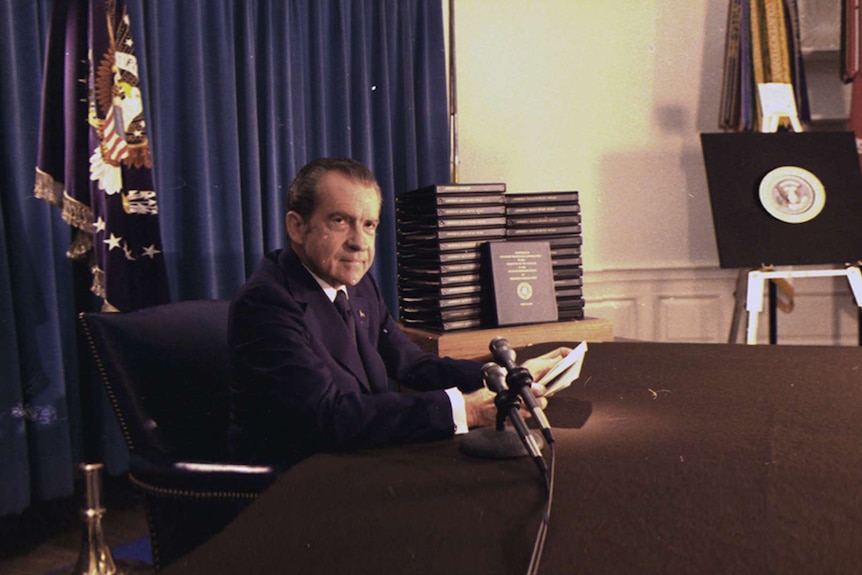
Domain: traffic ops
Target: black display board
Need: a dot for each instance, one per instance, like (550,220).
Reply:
(738,165)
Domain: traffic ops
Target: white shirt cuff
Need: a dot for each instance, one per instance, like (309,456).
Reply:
(459,410)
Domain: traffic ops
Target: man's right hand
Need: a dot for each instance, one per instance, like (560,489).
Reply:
(480,408)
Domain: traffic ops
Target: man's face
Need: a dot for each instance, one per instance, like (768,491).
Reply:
(337,241)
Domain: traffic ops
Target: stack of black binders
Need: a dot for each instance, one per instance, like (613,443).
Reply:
(554,217)
(439,233)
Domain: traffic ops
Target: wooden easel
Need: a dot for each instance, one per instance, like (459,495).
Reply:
(754,295)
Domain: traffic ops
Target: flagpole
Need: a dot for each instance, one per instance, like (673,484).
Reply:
(454,160)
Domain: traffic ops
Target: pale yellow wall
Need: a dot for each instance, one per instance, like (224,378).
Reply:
(606,97)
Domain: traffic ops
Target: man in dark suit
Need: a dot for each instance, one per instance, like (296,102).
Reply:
(305,379)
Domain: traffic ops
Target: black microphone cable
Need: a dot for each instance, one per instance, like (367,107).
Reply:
(539,543)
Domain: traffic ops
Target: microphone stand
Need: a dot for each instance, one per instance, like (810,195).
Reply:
(501,442)
(488,442)
(508,402)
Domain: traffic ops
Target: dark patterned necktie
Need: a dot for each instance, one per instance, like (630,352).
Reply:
(344,309)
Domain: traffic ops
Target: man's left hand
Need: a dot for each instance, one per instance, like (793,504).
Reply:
(539,366)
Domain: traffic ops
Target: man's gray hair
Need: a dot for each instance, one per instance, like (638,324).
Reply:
(302,194)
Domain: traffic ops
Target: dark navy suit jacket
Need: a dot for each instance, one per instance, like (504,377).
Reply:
(301,386)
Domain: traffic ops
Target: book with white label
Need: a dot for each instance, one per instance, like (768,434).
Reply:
(565,372)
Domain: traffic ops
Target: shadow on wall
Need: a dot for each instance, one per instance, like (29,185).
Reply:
(656,205)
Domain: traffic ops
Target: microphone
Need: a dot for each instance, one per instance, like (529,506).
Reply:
(519,380)
(502,352)
(494,377)
(506,401)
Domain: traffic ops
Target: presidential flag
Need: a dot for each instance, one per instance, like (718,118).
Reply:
(94,153)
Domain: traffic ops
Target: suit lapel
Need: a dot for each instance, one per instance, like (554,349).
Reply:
(366,340)
(323,319)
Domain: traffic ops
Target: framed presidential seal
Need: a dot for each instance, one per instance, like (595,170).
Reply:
(792,194)
(784,198)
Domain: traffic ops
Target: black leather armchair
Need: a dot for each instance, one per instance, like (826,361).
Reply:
(166,370)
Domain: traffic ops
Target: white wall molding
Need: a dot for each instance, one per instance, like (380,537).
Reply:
(697,305)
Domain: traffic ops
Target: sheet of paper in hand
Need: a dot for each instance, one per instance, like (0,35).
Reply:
(565,372)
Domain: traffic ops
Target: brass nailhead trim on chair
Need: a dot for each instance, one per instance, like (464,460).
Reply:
(108,387)
(163,491)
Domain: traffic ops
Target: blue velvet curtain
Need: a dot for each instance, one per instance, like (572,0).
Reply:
(39,435)
(239,95)
(242,94)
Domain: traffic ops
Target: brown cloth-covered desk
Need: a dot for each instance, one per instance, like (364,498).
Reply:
(696,458)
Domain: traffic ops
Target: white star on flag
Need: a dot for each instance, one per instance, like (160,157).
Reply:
(151,251)
(113,242)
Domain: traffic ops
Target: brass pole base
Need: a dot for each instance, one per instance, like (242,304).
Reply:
(95,556)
